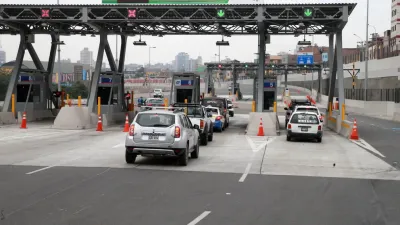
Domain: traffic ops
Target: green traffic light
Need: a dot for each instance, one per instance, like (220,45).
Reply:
(246,66)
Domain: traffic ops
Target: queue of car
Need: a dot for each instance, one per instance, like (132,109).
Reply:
(177,130)
(303,121)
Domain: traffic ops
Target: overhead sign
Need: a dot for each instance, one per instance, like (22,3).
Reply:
(305,59)
(325,57)
(268,84)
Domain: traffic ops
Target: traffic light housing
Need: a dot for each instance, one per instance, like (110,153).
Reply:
(57,94)
(127,96)
(219,66)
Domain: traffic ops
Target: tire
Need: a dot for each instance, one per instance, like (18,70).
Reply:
(319,140)
(288,138)
(130,158)
(195,153)
(211,137)
(204,139)
(184,158)
(233,114)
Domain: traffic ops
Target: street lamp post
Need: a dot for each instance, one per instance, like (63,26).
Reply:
(366,54)
(376,41)
(59,61)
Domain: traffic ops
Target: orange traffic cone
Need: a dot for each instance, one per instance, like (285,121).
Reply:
(23,122)
(260,129)
(354,132)
(99,124)
(126,128)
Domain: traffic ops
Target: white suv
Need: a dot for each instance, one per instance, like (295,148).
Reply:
(306,108)
(304,125)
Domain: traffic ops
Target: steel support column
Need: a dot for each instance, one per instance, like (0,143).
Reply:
(15,72)
(121,65)
(261,66)
(50,68)
(92,101)
(340,74)
(110,57)
(286,74)
(332,69)
(319,85)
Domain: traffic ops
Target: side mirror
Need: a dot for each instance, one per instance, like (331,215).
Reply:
(286,108)
(196,126)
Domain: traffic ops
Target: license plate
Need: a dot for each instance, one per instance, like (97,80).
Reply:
(154,137)
(304,129)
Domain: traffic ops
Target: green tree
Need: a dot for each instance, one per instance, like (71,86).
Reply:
(77,89)
(4,80)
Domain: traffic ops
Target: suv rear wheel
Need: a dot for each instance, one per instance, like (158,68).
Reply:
(195,153)
(184,158)
(204,138)
(130,158)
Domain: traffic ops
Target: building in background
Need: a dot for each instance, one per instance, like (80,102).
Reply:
(2,56)
(395,21)
(182,62)
(86,57)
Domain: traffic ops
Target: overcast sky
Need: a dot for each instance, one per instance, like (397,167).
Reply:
(241,47)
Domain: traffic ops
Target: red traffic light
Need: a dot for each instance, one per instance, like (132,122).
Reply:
(219,66)
(57,94)
(132,13)
(127,96)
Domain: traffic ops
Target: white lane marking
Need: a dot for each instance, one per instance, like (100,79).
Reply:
(35,171)
(251,143)
(119,145)
(199,218)
(48,167)
(366,145)
(246,172)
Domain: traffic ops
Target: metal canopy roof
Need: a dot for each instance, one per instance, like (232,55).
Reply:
(159,20)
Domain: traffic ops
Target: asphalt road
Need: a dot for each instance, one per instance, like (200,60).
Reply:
(106,194)
(383,135)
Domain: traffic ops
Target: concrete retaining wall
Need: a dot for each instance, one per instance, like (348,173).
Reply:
(378,109)
(269,120)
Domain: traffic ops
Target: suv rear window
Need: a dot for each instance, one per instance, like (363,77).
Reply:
(214,102)
(155,120)
(156,101)
(307,110)
(304,118)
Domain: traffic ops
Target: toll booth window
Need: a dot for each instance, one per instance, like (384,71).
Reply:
(155,120)
(23,92)
(304,119)
(195,112)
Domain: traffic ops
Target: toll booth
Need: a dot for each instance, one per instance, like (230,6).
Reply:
(269,90)
(31,92)
(185,86)
(111,92)
(236,88)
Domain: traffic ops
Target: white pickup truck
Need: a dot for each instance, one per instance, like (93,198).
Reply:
(198,115)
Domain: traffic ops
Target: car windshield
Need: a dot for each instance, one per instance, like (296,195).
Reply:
(195,111)
(157,90)
(303,118)
(213,111)
(155,101)
(213,102)
(155,120)
(302,109)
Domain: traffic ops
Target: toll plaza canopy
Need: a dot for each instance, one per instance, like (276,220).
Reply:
(181,19)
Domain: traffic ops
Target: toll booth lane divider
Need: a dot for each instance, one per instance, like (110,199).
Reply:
(343,128)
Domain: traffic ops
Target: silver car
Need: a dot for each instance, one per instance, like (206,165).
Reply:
(162,133)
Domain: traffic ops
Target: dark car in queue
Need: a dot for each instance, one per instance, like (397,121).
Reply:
(220,103)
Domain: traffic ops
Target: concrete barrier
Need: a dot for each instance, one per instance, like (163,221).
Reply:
(7,118)
(269,120)
(75,118)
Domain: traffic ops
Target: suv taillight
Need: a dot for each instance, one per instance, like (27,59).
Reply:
(177,132)
(201,124)
(319,127)
(131,130)
(218,118)
(224,110)
(289,126)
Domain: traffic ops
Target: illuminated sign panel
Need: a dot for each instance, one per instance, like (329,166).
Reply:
(132,13)
(45,13)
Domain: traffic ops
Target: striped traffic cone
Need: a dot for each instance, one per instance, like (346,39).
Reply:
(23,122)
(99,124)
(126,127)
